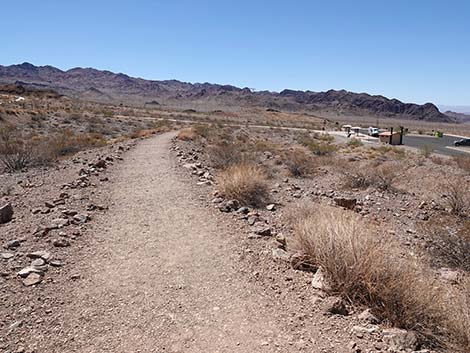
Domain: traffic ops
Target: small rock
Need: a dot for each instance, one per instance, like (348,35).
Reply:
(25,272)
(401,340)
(61,243)
(265,231)
(252,220)
(40,255)
(49,204)
(336,306)
(280,254)
(59,223)
(12,244)
(6,213)
(101,163)
(243,210)
(233,204)
(32,279)
(6,255)
(271,207)
(38,262)
(56,263)
(368,317)
(218,200)
(319,281)
(346,202)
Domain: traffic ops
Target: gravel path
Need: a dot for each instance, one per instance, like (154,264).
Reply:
(162,277)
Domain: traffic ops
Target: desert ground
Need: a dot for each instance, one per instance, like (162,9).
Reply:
(128,229)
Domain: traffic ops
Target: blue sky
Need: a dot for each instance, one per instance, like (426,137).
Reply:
(413,50)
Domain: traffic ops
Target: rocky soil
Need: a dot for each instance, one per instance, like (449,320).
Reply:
(131,248)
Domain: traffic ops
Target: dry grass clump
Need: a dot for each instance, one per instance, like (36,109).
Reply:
(463,162)
(457,199)
(15,150)
(449,243)
(19,150)
(380,176)
(362,266)
(299,163)
(246,183)
(354,143)
(225,153)
(187,134)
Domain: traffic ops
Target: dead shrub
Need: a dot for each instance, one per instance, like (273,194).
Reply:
(365,268)
(246,183)
(15,149)
(456,199)
(187,134)
(463,162)
(354,143)
(379,176)
(225,153)
(299,163)
(449,243)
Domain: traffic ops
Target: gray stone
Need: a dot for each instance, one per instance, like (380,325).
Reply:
(12,244)
(280,254)
(6,213)
(400,339)
(32,279)
(319,281)
(61,243)
(25,272)
(40,255)
(271,207)
(6,255)
(265,231)
(336,306)
(368,317)
(59,223)
(38,262)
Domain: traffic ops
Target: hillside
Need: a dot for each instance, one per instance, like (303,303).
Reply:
(106,86)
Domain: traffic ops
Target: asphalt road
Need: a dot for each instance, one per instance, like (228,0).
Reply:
(438,145)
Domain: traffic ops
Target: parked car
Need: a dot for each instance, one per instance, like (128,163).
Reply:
(373,131)
(462,142)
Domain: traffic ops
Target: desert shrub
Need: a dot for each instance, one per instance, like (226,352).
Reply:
(463,162)
(364,267)
(187,134)
(456,199)
(354,142)
(299,163)
(449,244)
(379,176)
(246,183)
(15,149)
(324,137)
(322,148)
(425,151)
(225,153)
(205,130)
(303,138)
(66,142)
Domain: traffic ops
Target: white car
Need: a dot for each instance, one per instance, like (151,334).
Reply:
(373,131)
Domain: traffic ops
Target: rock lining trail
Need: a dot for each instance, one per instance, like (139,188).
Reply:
(163,275)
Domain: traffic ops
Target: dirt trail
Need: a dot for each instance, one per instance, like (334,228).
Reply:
(162,277)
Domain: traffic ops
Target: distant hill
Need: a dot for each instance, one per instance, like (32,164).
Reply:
(106,86)
(460,117)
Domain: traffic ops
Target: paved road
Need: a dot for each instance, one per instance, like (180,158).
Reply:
(444,145)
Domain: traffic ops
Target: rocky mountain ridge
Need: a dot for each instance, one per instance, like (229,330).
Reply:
(106,86)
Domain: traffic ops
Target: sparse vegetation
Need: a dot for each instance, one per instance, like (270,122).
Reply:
(299,163)
(187,134)
(425,151)
(380,176)
(364,267)
(456,199)
(354,143)
(246,183)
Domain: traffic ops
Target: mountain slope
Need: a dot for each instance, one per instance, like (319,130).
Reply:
(106,86)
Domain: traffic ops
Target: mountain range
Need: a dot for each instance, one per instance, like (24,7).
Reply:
(109,87)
